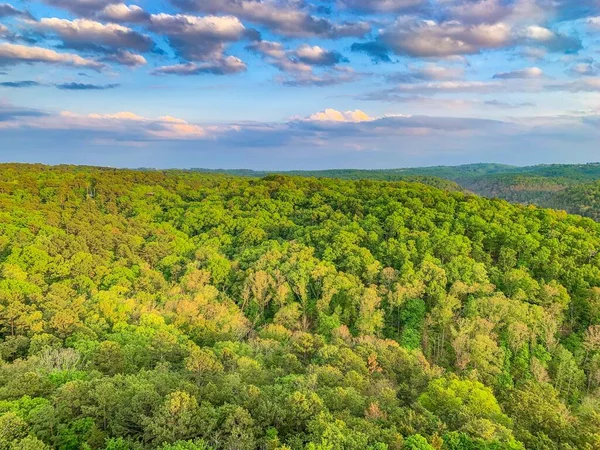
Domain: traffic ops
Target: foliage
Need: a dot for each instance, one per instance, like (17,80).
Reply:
(184,310)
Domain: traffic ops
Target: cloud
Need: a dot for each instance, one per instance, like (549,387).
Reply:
(376,50)
(81,7)
(332,115)
(329,124)
(571,10)
(507,105)
(334,137)
(199,38)
(583,85)
(318,56)
(585,69)
(13,54)
(383,6)
(338,75)
(594,22)
(518,81)
(92,35)
(8,10)
(403,91)
(533,53)
(449,86)
(426,38)
(19,84)
(86,87)
(277,55)
(126,58)
(10,112)
(489,11)
(427,72)
(285,17)
(63,86)
(527,73)
(121,126)
(228,65)
(551,40)
(122,13)
(357,126)
(300,65)
(431,39)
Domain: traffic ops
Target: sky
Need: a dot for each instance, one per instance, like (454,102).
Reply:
(299,84)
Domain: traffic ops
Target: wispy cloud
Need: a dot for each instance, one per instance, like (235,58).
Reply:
(86,87)
(20,84)
(227,65)
(529,72)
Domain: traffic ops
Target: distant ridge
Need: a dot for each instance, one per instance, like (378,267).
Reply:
(572,187)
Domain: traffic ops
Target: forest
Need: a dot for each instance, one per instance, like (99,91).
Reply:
(574,188)
(183,310)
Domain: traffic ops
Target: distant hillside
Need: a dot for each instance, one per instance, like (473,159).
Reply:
(574,188)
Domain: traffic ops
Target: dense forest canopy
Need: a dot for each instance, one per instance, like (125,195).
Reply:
(180,310)
(574,188)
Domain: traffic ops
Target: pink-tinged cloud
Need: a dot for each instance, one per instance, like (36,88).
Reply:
(122,13)
(126,58)
(85,33)
(132,125)
(14,54)
(333,115)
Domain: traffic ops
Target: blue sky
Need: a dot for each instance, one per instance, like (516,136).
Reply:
(299,84)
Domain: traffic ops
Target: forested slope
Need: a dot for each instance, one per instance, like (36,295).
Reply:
(177,310)
(573,187)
